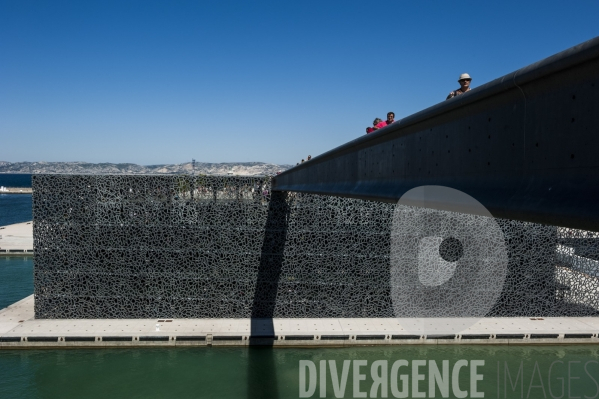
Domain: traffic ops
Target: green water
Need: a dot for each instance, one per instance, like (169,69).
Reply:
(16,279)
(508,372)
(274,373)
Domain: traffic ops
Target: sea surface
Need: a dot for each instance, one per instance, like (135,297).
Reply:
(15,180)
(15,208)
(16,279)
(262,372)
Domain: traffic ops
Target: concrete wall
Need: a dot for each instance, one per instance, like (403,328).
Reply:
(217,247)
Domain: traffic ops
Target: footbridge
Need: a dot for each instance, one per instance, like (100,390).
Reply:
(524,146)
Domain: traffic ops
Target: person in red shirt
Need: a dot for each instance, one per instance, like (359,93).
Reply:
(376,125)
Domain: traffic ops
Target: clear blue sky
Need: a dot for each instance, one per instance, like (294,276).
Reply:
(154,82)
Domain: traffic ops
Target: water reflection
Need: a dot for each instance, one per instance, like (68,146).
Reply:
(263,372)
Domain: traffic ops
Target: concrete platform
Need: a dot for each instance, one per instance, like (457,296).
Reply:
(18,329)
(16,239)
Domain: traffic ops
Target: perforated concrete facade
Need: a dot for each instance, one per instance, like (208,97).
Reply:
(115,246)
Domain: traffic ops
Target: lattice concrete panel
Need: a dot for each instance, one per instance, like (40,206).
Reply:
(115,246)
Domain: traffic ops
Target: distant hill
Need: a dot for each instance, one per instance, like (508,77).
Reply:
(233,168)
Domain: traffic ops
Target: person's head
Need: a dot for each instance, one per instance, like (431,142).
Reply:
(390,116)
(303,161)
(309,157)
(376,121)
(464,81)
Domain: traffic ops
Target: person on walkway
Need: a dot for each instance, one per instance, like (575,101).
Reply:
(390,118)
(464,81)
(376,125)
(309,157)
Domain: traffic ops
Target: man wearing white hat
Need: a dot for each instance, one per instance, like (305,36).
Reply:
(464,81)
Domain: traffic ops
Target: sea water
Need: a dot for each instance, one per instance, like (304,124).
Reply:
(15,180)
(15,208)
(16,279)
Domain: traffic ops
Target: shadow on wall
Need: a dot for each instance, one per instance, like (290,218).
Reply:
(261,364)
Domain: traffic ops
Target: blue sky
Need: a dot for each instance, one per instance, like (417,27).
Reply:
(153,82)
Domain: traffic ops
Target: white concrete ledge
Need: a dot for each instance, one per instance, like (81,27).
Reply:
(16,239)
(19,329)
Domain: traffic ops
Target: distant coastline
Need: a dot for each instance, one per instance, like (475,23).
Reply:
(232,168)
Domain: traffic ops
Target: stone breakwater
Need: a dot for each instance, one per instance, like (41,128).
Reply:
(15,190)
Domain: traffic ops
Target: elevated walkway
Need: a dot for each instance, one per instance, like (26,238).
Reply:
(523,145)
